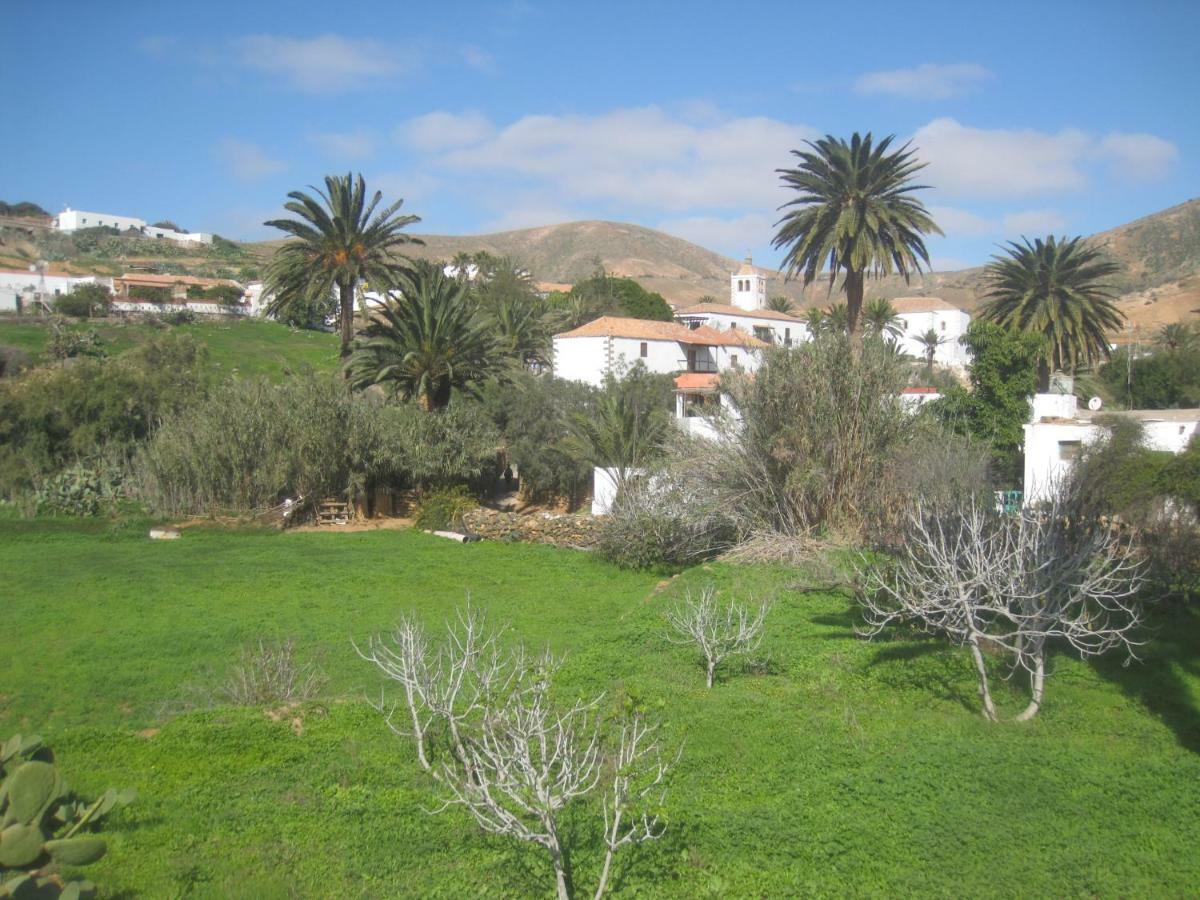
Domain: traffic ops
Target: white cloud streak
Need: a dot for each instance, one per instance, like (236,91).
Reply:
(247,161)
(643,157)
(1138,157)
(328,63)
(350,145)
(929,81)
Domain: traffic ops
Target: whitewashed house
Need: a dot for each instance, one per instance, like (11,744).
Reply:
(70,220)
(615,343)
(922,314)
(1058,429)
(21,288)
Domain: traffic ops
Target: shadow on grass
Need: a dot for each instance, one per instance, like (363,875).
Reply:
(939,681)
(1160,681)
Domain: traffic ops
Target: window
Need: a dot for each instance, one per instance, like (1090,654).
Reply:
(1068,450)
(733,360)
(787,336)
(943,324)
(85,221)
(645,350)
(764,334)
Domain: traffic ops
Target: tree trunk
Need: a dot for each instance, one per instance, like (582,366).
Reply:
(1038,686)
(854,299)
(711,668)
(611,837)
(562,879)
(346,315)
(989,709)
(1043,375)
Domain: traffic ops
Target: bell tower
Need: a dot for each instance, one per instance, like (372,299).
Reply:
(748,287)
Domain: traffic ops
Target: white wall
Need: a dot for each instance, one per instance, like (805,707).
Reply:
(74,219)
(581,359)
(588,359)
(951,324)
(795,331)
(748,291)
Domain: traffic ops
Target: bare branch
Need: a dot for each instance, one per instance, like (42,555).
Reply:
(719,631)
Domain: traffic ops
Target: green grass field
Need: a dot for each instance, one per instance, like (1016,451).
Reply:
(832,767)
(235,347)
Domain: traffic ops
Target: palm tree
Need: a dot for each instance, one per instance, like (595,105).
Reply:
(815,321)
(339,241)
(1055,288)
(880,317)
(1176,336)
(623,432)
(519,327)
(781,304)
(707,299)
(837,319)
(929,342)
(425,341)
(853,215)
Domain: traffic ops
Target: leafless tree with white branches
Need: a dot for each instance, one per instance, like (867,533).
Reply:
(719,631)
(1008,585)
(517,760)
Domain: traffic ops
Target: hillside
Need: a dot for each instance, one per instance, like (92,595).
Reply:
(1160,255)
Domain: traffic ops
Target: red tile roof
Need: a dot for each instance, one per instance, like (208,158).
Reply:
(721,309)
(650,330)
(921,304)
(697,381)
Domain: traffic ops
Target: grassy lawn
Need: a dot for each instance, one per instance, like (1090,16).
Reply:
(238,347)
(835,767)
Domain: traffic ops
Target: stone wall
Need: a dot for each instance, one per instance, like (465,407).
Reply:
(562,530)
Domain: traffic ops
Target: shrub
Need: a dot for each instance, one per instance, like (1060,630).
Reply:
(85,301)
(77,491)
(252,444)
(269,673)
(665,519)
(149,293)
(178,317)
(443,510)
(54,417)
(13,361)
(67,343)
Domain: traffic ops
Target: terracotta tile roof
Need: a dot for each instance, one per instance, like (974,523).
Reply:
(697,381)
(921,304)
(722,309)
(732,338)
(167,280)
(650,330)
(919,390)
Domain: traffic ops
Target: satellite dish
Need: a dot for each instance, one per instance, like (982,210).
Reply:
(1095,403)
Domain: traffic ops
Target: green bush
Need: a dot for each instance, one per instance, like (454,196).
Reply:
(149,294)
(13,361)
(443,510)
(77,491)
(252,444)
(53,417)
(87,300)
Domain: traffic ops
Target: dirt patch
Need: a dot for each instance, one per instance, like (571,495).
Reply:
(148,733)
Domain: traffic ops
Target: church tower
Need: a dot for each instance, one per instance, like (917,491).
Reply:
(748,287)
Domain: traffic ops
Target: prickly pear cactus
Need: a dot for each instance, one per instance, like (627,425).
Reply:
(43,825)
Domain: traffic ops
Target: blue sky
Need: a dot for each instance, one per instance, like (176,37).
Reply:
(1034,117)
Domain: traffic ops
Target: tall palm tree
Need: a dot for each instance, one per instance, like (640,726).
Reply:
(930,341)
(1176,336)
(880,317)
(623,432)
(338,241)
(853,215)
(427,340)
(837,319)
(782,304)
(520,329)
(1055,288)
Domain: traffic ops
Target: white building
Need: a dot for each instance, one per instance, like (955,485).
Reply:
(614,343)
(20,288)
(923,314)
(1058,430)
(75,219)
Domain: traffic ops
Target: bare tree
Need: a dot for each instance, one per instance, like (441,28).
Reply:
(451,684)
(1078,582)
(719,631)
(1009,585)
(942,582)
(516,761)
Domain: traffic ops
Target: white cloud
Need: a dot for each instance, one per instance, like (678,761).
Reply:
(640,157)
(438,131)
(732,236)
(1034,222)
(412,187)
(324,64)
(345,145)
(1000,162)
(478,59)
(1138,157)
(247,161)
(961,223)
(929,81)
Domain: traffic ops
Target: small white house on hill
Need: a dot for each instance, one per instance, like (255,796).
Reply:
(923,314)
(70,220)
(614,343)
(1058,429)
